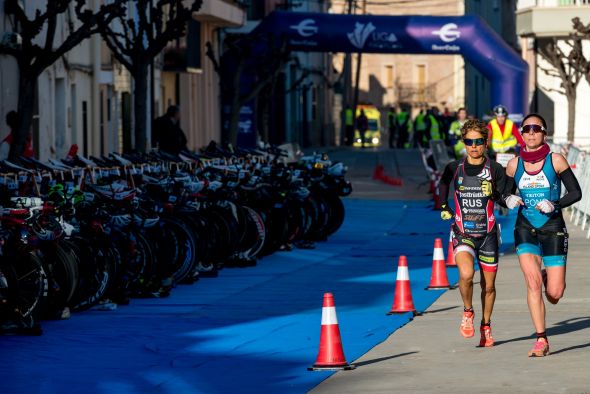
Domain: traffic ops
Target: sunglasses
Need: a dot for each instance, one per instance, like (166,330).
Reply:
(532,128)
(475,141)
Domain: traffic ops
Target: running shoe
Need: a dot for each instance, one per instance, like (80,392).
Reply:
(540,349)
(466,327)
(486,339)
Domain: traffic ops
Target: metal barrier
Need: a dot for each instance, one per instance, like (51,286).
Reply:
(579,162)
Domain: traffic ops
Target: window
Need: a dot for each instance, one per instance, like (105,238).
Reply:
(420,82)
(389,80)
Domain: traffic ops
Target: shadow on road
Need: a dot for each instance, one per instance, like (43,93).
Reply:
(563,327)
(441,310)
(377,360)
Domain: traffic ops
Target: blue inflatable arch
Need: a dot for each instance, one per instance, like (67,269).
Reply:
(467,35)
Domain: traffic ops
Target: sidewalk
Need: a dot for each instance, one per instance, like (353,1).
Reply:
(429,355)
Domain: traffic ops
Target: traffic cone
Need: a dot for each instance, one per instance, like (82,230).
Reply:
(402,301)
(331,355)
(438,279)
(450,255)
(378,172)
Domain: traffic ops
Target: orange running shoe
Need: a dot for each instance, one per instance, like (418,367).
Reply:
(486,336)
(540,349)
(466,327)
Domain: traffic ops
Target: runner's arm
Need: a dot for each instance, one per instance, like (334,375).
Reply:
(574,192)
(500,179)
(445,182)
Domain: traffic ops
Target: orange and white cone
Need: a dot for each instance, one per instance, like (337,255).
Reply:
(450,254)
(331,355)
(438,279)
(402,300)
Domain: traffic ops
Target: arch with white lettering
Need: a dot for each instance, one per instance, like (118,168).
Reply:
(466,35)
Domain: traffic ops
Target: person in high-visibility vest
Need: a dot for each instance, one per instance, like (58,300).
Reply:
(455,133)
(392,127)
(420,127)
(434,127)
(403,124)
(504,135)
(348,126)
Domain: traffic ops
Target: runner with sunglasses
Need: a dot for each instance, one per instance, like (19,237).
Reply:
(477,181)
(540,234)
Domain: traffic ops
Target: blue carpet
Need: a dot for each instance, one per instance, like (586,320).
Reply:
(249,330)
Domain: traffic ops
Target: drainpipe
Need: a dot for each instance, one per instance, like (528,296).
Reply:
(94,138)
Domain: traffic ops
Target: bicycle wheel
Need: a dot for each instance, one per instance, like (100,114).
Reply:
(27,284)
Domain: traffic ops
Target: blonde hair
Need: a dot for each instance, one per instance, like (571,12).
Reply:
(474,125)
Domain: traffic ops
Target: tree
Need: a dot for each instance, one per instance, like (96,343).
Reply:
(239,58)
(136,37)
(36,49)
(582,64)
(566,67)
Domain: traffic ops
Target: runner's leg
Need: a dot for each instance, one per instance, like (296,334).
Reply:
(555,284)
(488,293)
(464,262)
(530,264)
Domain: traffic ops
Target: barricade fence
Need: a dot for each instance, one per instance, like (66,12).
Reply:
(579,160)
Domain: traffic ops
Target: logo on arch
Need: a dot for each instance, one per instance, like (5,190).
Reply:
(305,28)
(448,33)
(361,32)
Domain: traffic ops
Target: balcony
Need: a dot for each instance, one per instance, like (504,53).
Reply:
(549,18)
(221,13)
(416,93)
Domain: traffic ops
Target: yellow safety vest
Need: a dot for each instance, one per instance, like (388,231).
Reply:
(501,142)
(348,117)
(434,128)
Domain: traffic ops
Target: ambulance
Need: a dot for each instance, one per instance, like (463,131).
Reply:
(373,133)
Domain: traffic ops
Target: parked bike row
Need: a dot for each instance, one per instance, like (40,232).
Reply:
(84,233)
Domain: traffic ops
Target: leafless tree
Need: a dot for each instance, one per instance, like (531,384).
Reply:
(231,67)
(136,36)
(36,49)
(566,67)
(582,63)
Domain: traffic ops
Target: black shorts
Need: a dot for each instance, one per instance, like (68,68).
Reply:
(484,249)
(549,241)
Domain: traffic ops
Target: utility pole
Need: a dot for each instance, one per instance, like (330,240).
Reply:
(347,83)
(359,60)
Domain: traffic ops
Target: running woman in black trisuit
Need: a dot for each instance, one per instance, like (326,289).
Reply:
(478,181)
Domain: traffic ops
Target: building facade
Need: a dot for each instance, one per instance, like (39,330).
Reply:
(414,81)
(500,16)
(303,98)
(76,96)
(540,21)
(86,97)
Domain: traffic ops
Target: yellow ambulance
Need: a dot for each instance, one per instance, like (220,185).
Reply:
(373,133)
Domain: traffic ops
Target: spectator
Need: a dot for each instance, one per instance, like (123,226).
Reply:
(420,127)
(348,126)
(503,136)
(12,123)
(403,128)
(362,123)
(455,133)
(391,123)
(167,134)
